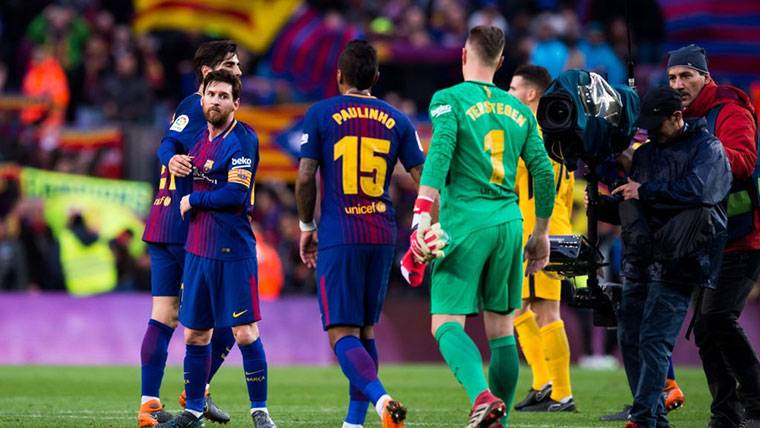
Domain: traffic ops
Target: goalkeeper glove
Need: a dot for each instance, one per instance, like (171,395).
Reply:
(412,270)
(417,257)
(421,222)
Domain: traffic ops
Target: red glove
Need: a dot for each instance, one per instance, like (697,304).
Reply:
(413,271)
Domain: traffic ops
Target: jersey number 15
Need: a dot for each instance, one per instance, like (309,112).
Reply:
(369,162)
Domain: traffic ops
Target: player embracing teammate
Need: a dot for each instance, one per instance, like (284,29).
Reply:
(216,163)
(165,235)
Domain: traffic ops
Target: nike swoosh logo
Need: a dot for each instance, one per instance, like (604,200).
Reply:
(253,373)
(238,314)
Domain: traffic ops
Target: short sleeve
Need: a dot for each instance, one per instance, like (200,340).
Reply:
(410,149)
(310,139)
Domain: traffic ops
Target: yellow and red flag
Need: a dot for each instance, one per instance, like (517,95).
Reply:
(251,23)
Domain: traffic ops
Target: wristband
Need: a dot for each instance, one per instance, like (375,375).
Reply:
(307,227)
(422,205)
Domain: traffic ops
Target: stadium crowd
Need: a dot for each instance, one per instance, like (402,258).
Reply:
(80,64)
(90,69)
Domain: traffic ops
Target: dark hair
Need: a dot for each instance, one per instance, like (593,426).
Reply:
(489,43)
(224,76)
(212,54)
(535,74)
(358,64)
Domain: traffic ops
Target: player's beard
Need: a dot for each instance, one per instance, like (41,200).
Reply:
(216,117)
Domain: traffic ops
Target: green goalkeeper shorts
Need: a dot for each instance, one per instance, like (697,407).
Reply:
(481,271)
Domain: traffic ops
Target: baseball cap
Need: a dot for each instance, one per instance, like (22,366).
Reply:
(659,103)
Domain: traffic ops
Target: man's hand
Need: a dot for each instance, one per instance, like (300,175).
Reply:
(630,190)
(536,253)
(184,206)
(308,248)
(181,165)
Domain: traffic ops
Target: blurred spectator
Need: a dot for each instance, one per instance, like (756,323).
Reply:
(600,57)
(89,79)
(413,27)
(41,248)
(45,79)
(449,22)
(549,51)
(126,95)
(132,273)
(488,14)
(63,29)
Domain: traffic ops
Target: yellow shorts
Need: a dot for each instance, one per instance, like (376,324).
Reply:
(541,286)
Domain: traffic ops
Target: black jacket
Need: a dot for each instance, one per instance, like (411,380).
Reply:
(675,232)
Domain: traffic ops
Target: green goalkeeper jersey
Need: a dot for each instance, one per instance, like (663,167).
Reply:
(479,132)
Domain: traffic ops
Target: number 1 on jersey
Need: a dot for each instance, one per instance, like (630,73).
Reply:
(348,148)
(494,143)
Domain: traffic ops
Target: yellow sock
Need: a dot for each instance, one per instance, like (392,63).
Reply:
(531,344)
(557,352)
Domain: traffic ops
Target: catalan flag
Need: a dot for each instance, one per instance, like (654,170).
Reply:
(251,23)
(306,53)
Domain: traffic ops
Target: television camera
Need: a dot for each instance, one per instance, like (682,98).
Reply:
(583,117)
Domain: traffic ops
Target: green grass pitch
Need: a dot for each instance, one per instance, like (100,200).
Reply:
(315,397)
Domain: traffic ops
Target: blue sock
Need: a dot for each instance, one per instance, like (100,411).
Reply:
(671,371)
(197,365)
(358,402)
(255,367)
(221,343)
(153,356)
(359,368)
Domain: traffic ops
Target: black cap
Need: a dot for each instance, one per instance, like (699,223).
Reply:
(690,56)
(659,103)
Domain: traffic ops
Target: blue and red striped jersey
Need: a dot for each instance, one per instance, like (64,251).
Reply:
(357,141)
(224,170)
(164,223)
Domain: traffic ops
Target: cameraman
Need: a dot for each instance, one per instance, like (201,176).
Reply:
(727,356)
(673,235)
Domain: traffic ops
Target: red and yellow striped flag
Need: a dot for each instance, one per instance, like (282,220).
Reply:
(251,23)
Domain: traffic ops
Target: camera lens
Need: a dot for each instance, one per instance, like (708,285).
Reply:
(558,114)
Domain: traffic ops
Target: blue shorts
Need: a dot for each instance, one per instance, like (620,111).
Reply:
(166,264)
(218,293)
(352,281)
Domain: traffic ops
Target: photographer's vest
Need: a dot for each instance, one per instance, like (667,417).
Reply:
(744,197)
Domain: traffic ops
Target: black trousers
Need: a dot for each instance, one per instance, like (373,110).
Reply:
(727,356)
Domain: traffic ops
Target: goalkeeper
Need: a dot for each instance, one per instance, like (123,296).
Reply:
(479,132)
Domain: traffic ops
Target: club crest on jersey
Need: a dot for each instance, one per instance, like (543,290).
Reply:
(180,123)
(208,165)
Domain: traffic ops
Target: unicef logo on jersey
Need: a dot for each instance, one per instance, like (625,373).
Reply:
(241,162)
(377,207)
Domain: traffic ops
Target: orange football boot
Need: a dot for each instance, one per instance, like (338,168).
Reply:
(152,413)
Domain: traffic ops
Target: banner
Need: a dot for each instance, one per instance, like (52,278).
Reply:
(85,215)
(252,23)
(136,196)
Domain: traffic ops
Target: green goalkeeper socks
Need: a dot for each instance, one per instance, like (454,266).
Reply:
(504,370)
(462,357)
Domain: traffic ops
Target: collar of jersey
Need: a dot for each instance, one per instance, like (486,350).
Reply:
(371,97)
(478,82)
(226,132)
